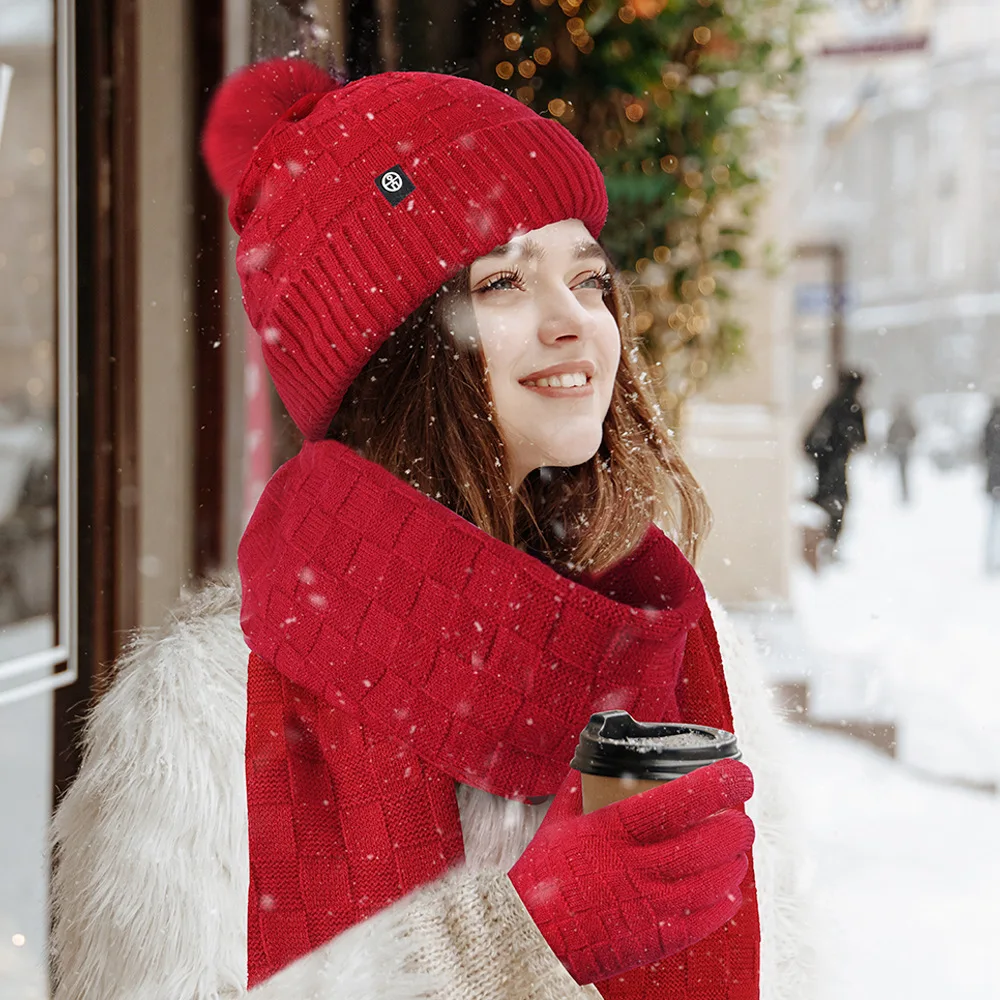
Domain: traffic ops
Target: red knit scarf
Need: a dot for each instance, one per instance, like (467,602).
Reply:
(396,650)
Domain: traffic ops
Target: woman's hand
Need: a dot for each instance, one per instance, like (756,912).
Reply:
(641,879)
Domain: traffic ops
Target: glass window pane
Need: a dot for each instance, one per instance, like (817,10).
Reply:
(27,328)
(28,518)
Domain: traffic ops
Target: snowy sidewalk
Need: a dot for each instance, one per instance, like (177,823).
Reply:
(905,628)
(903,879)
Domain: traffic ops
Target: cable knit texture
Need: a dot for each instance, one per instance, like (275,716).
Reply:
(151,881)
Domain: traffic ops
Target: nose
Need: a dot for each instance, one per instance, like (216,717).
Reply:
(563,319)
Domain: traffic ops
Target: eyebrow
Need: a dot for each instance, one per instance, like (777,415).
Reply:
(532,250)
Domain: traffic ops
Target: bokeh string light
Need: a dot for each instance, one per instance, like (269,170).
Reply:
(650,86)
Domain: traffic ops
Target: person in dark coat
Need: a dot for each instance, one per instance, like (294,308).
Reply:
(836,432)
(899,441)
(991,452)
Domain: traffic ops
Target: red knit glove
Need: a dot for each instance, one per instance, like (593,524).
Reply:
(641,879)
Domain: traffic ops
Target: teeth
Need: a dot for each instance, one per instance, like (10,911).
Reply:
(561,381)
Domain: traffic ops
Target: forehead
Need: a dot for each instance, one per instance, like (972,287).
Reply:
(566,239)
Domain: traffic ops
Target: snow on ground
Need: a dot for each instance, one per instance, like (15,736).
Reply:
(906,626)
(903,872)
(904,876)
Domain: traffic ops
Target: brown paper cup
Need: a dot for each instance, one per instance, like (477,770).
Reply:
(599,791)
(618,757)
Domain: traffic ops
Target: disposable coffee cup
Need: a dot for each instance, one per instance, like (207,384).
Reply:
(618,757)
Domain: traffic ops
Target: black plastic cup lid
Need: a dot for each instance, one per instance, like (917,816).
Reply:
(613,744)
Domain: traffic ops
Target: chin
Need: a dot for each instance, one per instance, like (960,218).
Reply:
(569,454)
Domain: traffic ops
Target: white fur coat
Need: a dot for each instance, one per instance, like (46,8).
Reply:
(150,892)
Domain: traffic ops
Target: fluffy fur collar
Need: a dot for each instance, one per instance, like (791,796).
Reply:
(151,883)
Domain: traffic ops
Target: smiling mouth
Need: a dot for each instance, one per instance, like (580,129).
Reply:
(566,385)
(568,380)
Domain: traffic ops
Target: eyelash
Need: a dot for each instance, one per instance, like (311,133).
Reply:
(604,279)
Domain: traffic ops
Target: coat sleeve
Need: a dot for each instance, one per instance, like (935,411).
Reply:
(787,956)
(149,893)
(464,937)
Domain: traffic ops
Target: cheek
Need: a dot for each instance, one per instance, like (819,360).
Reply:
(500,357)
(609,337)
(609,348)
(497,335)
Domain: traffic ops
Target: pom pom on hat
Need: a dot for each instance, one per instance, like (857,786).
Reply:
(246,105)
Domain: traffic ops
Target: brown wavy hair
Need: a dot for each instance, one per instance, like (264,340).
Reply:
(421,408)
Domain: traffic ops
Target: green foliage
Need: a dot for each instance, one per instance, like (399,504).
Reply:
(669,97)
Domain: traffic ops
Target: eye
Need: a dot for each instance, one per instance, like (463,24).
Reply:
(602,281)
(506,281)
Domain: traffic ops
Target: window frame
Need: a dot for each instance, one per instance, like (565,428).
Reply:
(63,654)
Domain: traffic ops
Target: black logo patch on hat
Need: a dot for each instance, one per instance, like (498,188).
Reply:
(394,185)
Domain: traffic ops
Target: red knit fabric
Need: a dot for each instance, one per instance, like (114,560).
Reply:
(397,649)
(726,964)
(329,265)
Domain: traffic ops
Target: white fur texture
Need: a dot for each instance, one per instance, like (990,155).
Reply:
(151,881)
(786,959)
(152,863)
(495,830)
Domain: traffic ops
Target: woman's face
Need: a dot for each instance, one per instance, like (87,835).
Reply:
(550,342)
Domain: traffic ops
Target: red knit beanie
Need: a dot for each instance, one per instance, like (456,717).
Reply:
(354,204)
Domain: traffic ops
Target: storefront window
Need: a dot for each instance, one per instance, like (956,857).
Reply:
(35,451)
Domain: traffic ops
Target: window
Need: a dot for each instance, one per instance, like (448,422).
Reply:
(36,374)
(37,449)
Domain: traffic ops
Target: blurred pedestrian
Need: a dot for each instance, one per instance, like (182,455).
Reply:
(991,452)
(899,442)
(836,432)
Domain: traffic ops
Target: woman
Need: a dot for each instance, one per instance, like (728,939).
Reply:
(458,568)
